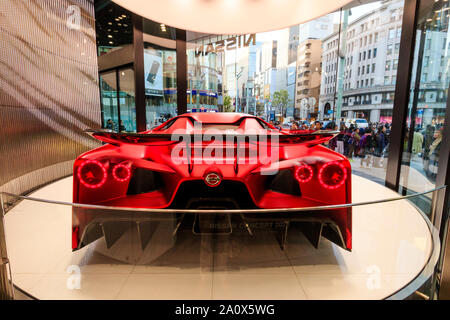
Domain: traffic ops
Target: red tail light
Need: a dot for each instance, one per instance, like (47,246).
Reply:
(303,173)
(332,175)
(121,172)
(92,174)
(75,238)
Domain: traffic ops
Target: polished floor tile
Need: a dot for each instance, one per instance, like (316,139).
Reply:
(257,286)
(83,287)
(167,286)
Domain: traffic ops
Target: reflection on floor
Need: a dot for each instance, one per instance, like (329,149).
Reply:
(391,244)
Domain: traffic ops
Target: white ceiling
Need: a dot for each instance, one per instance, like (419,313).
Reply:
(231,16)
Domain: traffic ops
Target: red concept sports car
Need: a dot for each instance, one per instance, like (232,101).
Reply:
(212,161)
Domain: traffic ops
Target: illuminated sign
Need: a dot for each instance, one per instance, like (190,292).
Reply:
(231,43)
(153,71)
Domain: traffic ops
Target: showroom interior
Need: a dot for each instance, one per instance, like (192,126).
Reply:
(120,68)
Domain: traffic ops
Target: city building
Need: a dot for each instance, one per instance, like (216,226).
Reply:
(370,65)
(308,78)
(266,75)
(316,29)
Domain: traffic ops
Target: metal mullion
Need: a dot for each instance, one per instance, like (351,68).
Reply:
(139,73)
(181,72)
(443,174)
(118,99)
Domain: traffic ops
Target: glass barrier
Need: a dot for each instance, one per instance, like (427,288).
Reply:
(386,249)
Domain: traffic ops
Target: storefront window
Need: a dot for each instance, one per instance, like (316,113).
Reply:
(108,99)
(205,72)
(160,73)
(118,100)
(429,93)
(127,121)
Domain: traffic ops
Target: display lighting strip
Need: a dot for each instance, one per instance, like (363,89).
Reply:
(100,165)
(303,169)
(121,166)
(328,164)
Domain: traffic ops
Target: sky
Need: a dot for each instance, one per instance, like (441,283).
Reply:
(356,13)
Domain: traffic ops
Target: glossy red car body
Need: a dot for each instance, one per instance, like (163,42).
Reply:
(248,165)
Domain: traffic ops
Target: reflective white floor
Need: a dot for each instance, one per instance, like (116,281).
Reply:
(391,244)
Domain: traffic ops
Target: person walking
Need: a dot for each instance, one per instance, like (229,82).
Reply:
(417,142)
(379,146)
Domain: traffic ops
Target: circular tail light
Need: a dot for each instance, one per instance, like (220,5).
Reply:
(303,173)
(332,175)
(92,174)
(121,172)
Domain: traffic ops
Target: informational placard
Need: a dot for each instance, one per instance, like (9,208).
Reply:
(153,71)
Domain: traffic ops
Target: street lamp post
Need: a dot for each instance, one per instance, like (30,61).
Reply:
(238,75)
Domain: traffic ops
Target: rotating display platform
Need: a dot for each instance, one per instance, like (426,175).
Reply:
(392,244)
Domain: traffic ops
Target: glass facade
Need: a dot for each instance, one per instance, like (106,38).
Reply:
(360,71)
(339,69)
(427,102)
(118,100)
(204,75)
(127,104)
(108,100)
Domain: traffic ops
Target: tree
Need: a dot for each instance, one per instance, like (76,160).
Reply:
(259,109)
(227,104)
(280,99)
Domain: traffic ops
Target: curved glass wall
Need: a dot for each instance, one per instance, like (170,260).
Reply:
(339,70)
(118,100)
(428,99)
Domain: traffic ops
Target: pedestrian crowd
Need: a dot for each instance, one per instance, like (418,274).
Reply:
(371,144)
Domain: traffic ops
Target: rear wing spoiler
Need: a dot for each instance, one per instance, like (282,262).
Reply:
(149,139)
